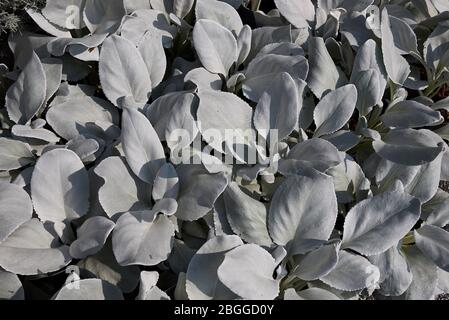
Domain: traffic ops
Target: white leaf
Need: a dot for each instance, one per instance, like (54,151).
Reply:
(15,209)
(25,97)
(89,289)
(143,150)
(91,237)
(248,271)
(142,238)
(352,273)
(220,12)
(247,216)
(278,108)
(298,13)
(335,109)
(215,45)
(304,207)
(14,154)
(32,250)
(122,190)
(123,71)
(198,191)
(397,67)
(374,225)
(202,282)
(60,187)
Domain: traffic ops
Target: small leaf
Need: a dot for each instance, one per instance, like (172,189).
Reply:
(335,109)
(166,184)
(247,216)
(317,263)
(26,96)
(397,67)
(425,276)
(15,209)
(395,273)
(411,114)
(352,273)
(91,237)
(14,154)
(11,288)
(324,75)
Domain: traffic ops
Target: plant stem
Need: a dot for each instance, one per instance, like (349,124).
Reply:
(255,5)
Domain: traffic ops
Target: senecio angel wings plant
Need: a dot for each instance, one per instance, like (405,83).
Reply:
(182,149)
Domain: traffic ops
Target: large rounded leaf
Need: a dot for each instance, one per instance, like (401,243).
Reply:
(77,115)
(374,225)
(220,12)
(32,250)
(198,191)
(142,238)
(304,207)
(215,45)
(248,271)
(122,190)
(60,187)
(219,112)
(15,208)
(202,281)
(143,150)
(123,71)
(262,69)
